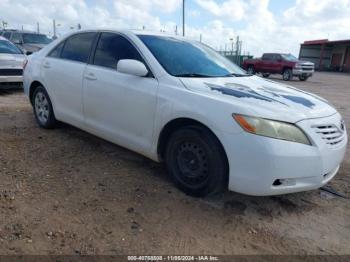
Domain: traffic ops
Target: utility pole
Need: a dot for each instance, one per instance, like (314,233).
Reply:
(38,28)
(54,29)
(200,38)
(231,39)
(237,49)
(183,17)
(176,30)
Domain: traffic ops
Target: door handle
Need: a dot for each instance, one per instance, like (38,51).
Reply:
(46,65)
(90,76)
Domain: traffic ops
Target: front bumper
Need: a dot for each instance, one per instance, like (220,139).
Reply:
(9,82)
(11,79)
(302,72)
(263,166)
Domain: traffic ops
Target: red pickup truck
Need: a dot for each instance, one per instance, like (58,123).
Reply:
(285,64)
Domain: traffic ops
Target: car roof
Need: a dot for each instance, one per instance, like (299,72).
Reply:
(131,32)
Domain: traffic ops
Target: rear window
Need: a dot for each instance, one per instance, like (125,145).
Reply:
(8,48)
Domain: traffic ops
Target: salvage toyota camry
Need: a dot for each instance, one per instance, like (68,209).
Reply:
(179,101)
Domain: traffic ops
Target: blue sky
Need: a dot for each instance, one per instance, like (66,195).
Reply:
(276,6)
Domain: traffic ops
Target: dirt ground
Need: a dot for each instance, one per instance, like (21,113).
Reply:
(67,192)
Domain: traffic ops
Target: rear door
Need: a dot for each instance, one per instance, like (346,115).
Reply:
(117,106)
(276,64)
(63,72)
(266,60)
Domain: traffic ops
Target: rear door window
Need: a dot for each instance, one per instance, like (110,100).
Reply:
(56,52)
(78,47)
(267,57)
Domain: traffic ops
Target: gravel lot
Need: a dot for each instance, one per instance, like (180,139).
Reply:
(67,192)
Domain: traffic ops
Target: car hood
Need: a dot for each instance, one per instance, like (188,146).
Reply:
(33,47)
(304,62)
(11,60)
(263,98)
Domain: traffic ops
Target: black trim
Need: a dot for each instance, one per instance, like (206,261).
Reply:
(91,59)
(11,72)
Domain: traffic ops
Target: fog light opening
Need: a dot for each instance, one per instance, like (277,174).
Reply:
(277,182)
(284,182)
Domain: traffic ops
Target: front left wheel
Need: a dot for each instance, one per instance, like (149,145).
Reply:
(43,110)
(196,161)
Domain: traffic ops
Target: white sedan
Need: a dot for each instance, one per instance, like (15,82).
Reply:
(11,64)
(179,101)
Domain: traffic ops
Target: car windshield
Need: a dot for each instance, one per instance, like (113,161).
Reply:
(8,48)
(289,57)
(184,58)
(36,39)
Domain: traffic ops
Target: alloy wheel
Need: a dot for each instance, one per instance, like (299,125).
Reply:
(41,107)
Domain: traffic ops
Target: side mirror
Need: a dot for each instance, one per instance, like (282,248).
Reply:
(132,67)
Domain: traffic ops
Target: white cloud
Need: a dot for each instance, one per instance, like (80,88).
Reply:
(264,31)
(260,29)
(231,9)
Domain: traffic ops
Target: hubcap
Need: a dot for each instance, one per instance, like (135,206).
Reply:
(192,162)
(286,75)
(41,107)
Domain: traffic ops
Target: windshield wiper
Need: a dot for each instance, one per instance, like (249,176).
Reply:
(193,75)
(238,75)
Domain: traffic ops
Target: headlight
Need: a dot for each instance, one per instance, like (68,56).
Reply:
(271,128)
(298,66)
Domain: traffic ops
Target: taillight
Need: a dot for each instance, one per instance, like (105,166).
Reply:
(25,62)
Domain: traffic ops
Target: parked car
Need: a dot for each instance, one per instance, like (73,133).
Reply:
(285,64)
(11,64)
(28,41)
(7,32)
(179,101)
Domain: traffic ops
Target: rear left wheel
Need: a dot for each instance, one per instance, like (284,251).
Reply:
(287,74)
(196,161)
(43,110)
(251,70)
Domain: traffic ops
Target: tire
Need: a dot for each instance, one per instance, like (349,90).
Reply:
(42,107)
(251,70)
(303,78)
(265,75)
(287,74)
(197,162)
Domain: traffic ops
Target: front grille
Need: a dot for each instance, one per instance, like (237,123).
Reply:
(331,134)
(11,72)
(307,68)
